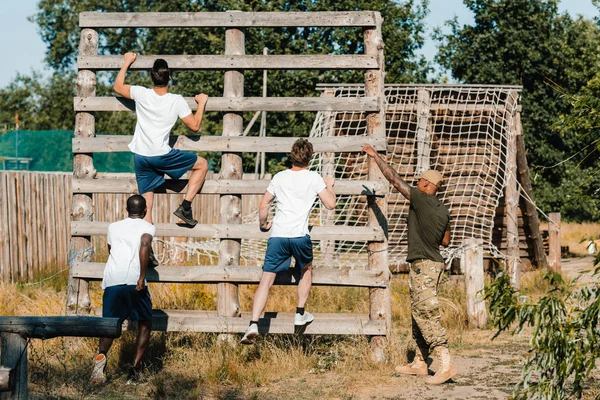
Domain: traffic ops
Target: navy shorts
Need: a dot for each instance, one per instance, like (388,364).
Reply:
(150,170)
(124,302)
(280,251)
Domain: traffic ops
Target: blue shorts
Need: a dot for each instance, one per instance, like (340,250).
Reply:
(150,170)
(280,251)
(124,302)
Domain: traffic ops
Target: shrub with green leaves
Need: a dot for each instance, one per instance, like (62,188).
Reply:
(565,337)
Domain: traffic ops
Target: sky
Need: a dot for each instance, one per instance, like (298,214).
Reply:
(20,38)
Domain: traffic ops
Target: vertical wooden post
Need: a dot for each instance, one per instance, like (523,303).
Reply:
(228,304)
(528,208)
(472,266)
(423,134)
(13,351)
(378,255)
(554,242)
(512,196)
(82,208)
(328,169)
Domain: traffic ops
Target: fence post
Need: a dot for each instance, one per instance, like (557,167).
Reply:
(472,266)
(379,298)
(328,170)
(82,207)
(554,242)
(228,304)
(13,352)
(512,196)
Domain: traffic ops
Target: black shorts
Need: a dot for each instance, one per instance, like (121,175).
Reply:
(124,302)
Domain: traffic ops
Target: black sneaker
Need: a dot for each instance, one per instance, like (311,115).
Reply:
(152,261)
(185,216)
(134,376)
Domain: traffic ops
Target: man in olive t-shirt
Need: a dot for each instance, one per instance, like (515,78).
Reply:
(428,229)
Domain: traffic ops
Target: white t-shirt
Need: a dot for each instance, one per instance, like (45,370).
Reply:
(295,193)
(124,238)
(156,116)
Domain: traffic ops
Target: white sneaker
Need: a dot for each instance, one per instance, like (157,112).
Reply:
(251,333)
(98,371)
(300,320)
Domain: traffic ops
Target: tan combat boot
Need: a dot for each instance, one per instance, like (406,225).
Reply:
(417,367)
(446,370)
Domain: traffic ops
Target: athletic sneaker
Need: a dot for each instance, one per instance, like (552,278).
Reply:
(134,376)
(98,376)
(300,320)
(250,335)
(152,261)
(185,216)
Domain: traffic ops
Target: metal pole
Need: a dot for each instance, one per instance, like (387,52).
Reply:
(17,141)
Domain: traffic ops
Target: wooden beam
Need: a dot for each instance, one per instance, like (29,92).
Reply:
(249,144)
(271,322)
(423,132)
(82,206)
(357,104)
(229,19)
(512,196)
(472,267)
(247,275)
(13,355)
(554,242)
(379,298)
(337,232)
(218,186)
(50,327)
(233,62)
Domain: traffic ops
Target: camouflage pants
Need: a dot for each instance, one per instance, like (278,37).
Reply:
(423,280)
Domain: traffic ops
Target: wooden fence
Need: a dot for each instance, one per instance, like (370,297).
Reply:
(35,218)
(34,223)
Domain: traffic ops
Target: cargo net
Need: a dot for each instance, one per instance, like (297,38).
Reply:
(460,131)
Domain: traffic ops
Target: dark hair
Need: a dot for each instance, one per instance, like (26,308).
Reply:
(302,152)
(136,205)
(160,73)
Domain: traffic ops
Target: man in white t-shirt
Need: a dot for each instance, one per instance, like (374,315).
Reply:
(126,295)
(157,111)
(294,191)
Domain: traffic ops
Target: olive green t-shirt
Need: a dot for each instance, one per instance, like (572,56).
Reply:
(428,220)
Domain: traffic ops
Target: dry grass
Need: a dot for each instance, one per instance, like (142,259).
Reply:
(572,234)
(196,365)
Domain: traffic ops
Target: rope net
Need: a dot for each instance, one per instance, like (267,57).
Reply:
(460,131)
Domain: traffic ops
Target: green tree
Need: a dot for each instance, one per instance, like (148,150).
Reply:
(402,30)
(529,43)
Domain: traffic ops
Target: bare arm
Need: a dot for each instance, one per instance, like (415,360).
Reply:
(389,173)
(145,245)
(327,195)
(120,87)
(263,211)
(194,121)
(446,239)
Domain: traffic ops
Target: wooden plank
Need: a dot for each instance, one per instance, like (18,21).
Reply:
(554,242)
(338,104)
(322,276)
(13,354)
(233,62)
(219,186)
(379,298)
(512,199)
(230,206)
(50,327)
(272,322)
(337,232)
(228,19)
(345,144)
(4,229)
(472,267)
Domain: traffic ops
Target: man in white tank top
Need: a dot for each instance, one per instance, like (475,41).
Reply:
(294,192)
(157,110)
